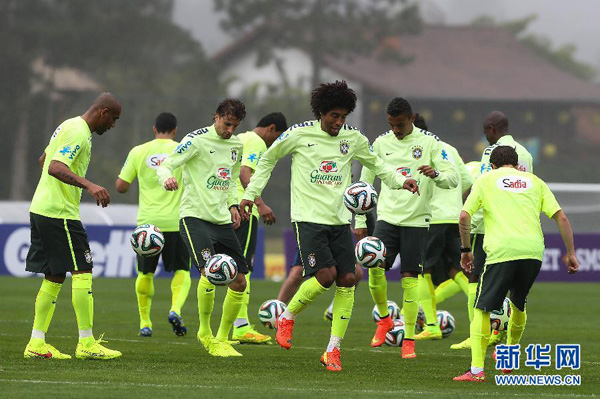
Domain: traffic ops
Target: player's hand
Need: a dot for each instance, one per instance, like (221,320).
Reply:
(360,233)
(100,194)
(572,263)
(466,261)
(427,170)
(236,219)
(266,214)
(411,185)
(246,204)
(171,184)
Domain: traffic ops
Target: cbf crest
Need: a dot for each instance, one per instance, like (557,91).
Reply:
(417,152)
(344,147)
(234,154)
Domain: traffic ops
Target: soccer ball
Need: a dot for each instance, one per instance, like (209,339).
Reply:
(395,336)
(221,269)
(420,324)
(499,318)
(147,240)
(370,252)
(269,312)
(446,322)
(393,310)
(329,313)
(360,198)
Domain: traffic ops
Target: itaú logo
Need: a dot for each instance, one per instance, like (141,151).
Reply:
(515,184)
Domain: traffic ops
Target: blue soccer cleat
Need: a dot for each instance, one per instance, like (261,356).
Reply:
(146,332)
(176,321)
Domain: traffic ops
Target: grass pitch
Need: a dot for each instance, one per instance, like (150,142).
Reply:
(170,366)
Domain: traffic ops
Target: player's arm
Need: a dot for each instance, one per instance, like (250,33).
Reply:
(441,170)
(128,173)
(185,151)
(232,201)
(121,185)
(264,211)
(465,177)
(566,233)
(367,156)
(471,206)
(42,160)
(62,172)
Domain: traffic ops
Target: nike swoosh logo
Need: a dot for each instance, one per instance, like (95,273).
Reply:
(54,302)
(311,145)
(406,301)
(96,354)
(388,153)
(89,292)
(344,318)
(48,355)
(210,289)
(302,302)
(212,151)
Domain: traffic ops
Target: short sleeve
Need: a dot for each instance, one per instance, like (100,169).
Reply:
(71,144)
(549,203)
(129,172)
(253,151)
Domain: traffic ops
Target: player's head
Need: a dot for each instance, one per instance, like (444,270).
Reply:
(495,126)
(331,103)
(504,155)
(165,123)
(230,112)
(270,126)
(400,117)
(103,113)
(420,122)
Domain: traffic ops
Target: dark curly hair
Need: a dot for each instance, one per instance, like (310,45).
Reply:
(328,96)
(504,155)
(232,106)
(399,106)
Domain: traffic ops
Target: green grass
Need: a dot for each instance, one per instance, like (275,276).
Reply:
(170,366)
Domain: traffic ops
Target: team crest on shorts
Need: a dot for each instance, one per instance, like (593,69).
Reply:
(234,154)
(205,254)
(88,256)
(312,261)
(344,147)
(417,152)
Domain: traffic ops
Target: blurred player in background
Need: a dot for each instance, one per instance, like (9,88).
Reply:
(59,243)
(210,160)
(322,152)
(160,208)
(512,201)
(255,144)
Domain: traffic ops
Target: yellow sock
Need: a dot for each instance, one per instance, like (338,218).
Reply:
(378,289)
(516,325)
(231,307)
(426,299)
(144,290)
(462,281)
(343,302)
(480,336)
(410,306)
(180,289)
(45,304)
(307,293)
(206,303)
(83,301)
(471,299)
(445,290)
(243,313)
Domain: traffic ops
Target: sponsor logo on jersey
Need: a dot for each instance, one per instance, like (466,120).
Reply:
(155,160)
(515,184)
(183,146)
(328,166)
(417,152)
(405,171)
(66,150)
(220,180)
(344,147)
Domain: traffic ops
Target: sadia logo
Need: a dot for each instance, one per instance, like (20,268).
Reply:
(223,173)
(155,160)
(515,184)
(404,170)
(328,166)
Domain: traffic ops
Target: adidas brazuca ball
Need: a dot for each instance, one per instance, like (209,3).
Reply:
(395,336)
(360,198)
(221,269)
(499,318)
(269,312)
(370,252)
(446,322)
(147,240)
(393,309)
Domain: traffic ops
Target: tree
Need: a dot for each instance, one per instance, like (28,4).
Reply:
(337,28)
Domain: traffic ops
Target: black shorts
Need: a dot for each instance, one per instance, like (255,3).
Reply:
(204,239)
(409,242)
(516,276)
(174,255)
(58,246)
(442,250)
(246,235)
(323,246)
(479,255)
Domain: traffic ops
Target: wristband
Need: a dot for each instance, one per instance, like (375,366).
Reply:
(436,174)
(465,250)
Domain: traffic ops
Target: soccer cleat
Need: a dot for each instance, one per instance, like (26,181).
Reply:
(408,349)
(176,321)
(383,326)
(146,332)
(95,351)
(248,335)
(466,344)
(44,351)
(331,360)
(429,333)
(285,327)
(470,377)
(505,371)
(497,337)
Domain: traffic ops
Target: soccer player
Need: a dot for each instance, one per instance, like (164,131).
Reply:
(210,160)
(255,144)
(59,243)
(322,152)
(160,208)
(495,128)
(512,201)
(402,220)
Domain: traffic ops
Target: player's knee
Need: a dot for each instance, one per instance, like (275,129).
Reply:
(56,278)
(295,274)
(358,274)
(346,280)
(326,277)
(239,284)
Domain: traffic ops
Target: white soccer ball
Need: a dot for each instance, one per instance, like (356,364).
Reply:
(329,313)
(370,252)
(147,240)
(395,336)
(269,312)
(446,322)
(393,309)
(499,318)
(360,198)
(221,269)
